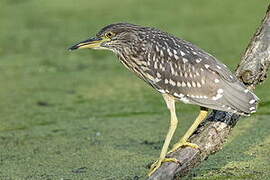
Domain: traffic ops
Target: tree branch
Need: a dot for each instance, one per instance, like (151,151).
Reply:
(212,134)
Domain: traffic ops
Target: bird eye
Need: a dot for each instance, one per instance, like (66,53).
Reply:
(109,34)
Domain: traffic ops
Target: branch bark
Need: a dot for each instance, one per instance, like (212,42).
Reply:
(213,132)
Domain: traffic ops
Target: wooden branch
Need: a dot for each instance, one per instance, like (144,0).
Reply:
(212,134)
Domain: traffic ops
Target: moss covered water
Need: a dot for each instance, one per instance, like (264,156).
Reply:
(81,115)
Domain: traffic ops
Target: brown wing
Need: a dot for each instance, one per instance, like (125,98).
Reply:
(193,76)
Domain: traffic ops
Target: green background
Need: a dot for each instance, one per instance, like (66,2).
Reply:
(82,115)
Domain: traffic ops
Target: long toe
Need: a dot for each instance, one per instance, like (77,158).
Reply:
(158,163)
(183,144)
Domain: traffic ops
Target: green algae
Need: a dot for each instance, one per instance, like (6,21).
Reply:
(81,115)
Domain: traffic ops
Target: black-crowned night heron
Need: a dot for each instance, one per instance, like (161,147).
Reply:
(178,70)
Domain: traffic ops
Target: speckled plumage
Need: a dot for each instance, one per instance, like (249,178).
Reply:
(179,71)
(178,68)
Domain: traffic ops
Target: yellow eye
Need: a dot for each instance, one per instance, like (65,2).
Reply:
(109,34)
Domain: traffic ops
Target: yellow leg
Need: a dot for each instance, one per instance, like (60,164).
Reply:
(171,106)
(183,140)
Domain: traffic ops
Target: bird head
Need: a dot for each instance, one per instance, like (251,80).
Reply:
(114,37)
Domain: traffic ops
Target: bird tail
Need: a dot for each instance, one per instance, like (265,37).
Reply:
(240,99)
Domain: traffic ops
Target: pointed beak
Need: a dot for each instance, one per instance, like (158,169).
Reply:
(89,43)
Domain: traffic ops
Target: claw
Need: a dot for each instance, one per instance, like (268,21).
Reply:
(158,163)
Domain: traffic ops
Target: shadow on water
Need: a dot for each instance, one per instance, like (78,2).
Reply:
(41,123)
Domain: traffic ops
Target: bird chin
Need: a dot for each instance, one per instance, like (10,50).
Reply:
(106,48)
(100,48)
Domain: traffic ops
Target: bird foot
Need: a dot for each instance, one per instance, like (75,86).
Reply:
(182,144)
(158,163)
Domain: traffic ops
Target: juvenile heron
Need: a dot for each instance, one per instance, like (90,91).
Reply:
(178,70)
